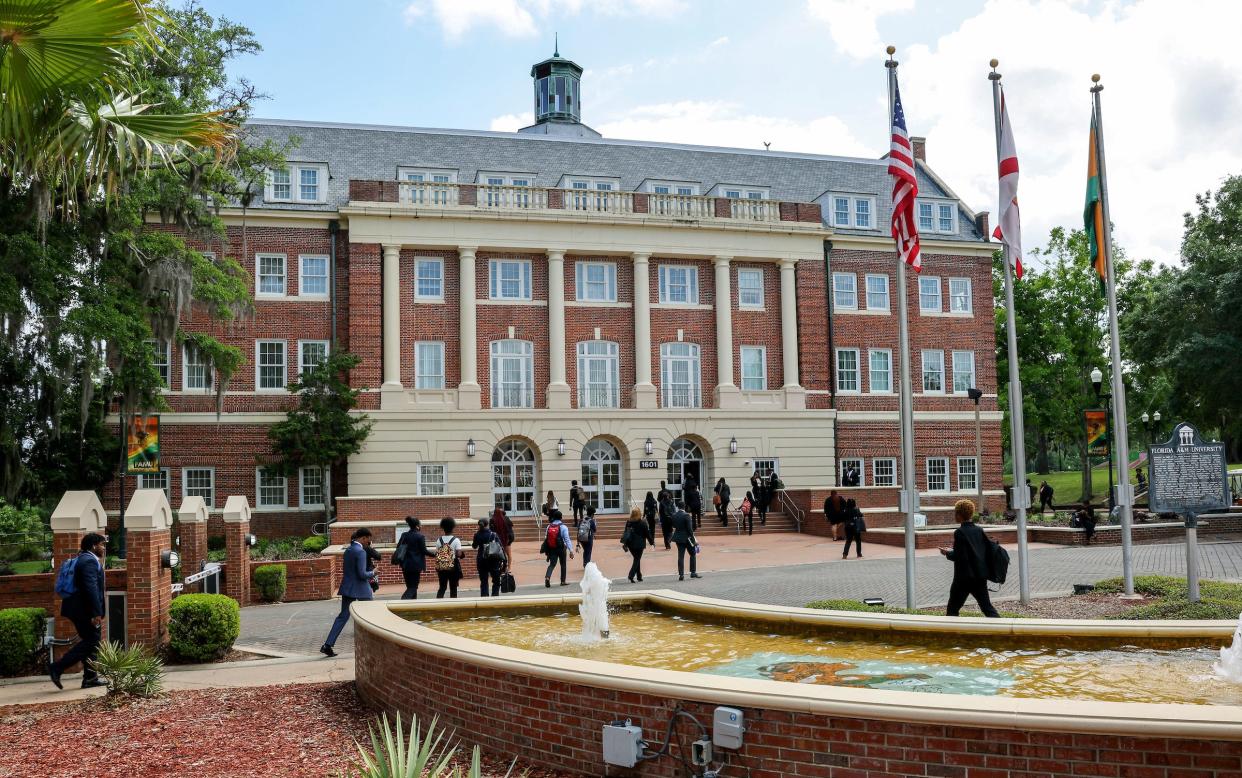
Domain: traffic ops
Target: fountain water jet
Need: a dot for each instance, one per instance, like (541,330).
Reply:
(594,607)
(1230,665)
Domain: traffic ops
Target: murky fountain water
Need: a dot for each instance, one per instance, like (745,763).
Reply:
(1229,666)
(594,607)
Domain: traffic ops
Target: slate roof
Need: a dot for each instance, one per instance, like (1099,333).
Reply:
(356,151)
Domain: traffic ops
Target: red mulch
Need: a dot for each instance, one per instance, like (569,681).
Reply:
(268,732)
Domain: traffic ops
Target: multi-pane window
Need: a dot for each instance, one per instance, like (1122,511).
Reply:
(849,211)
(679,284)
(308,184)
(432,479)
(862,213)
(599,379)
(967,474)
(163,360)
(680,375)
(596,282)
(311,354)
(877,292)
(429,364)
(196,372)
(880,370)
(313,276)
(601,475)
(937,217)
(963,371)
(155,481)
(959,295)
(937,474)
(297,183)
(754,361)
(281,189)
(927,217)
(841,211)
(845,291)
(933,371)
(270,365)
(513,374)
(766,468)
(852,473)
(510,279)
(847,370)
(311,486)
(429,278)
(929,295)
(749,288)
(271,269)
(884,471)
(199,482)
(945,218)
(272,489)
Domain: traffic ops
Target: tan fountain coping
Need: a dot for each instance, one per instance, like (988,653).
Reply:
(1059,715)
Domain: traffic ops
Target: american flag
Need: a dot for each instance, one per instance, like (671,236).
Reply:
(905,188)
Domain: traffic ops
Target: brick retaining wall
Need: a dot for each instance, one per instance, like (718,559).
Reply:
(428,509)
(38,590)
(306,579)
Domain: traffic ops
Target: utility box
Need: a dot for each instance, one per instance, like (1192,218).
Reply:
(623,744)
(727,728)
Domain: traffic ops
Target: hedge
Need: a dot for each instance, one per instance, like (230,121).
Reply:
(315,544)
(202,627)
(21,635)
(270,580)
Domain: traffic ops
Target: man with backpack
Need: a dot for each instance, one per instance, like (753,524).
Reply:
(80,585)
(556,545)
(577,501)
(586,535)
(971,555)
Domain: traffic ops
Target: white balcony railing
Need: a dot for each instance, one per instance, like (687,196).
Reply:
(511,198)
(682,206)
(755,210)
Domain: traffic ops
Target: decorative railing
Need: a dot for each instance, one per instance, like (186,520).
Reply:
(790,508)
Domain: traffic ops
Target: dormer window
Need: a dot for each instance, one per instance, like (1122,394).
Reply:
(299,182)
(937,216)
(739,191)
(849,211)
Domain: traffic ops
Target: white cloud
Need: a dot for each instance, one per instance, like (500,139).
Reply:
(516,18)
(512,122)
(852,24)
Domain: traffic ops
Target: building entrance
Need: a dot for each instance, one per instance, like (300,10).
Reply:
(685,460)
(513,478)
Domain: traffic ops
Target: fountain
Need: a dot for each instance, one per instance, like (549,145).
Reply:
(594,606)
(1230,665)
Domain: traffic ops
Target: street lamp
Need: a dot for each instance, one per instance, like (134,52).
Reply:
(470,448)
(647,447)
(1097,381)
(560,447)
(976,394)
(1151,423)
(733,445)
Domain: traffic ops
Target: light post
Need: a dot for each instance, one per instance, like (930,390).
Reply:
(1151,423)
(976,394)
(1097,379)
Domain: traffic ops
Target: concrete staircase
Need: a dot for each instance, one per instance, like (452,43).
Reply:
(610,527)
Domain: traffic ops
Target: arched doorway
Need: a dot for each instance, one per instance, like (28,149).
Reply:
(513,478)
(685,460)
(601,476)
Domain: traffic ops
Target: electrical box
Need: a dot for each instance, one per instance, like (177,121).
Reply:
(623,744)
(701,753)
(727,728)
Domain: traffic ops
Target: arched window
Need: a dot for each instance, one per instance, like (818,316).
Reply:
(513,478)
(685,460)
(513,374)
(599,381)
(680,375)
(601,475)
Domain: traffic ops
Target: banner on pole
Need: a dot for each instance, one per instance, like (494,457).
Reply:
(1097,432)
(142,446)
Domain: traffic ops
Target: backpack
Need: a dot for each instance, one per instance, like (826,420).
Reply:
(65,587)
(446,558)
(776,484)
(998,562)
(585,535)
(493,551)
(553,539)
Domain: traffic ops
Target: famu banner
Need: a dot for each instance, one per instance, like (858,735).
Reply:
(1097,432)
(142,446)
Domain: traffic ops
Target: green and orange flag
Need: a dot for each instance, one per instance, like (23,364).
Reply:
(1093,211)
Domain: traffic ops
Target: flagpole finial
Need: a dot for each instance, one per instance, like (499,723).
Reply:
(1095,82)
(994,76)
(891,50)
(994,63)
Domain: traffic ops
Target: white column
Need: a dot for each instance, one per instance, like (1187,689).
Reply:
(392,317)
(727,394)
(795,396)
(644,390)
(469,396)
(558,387)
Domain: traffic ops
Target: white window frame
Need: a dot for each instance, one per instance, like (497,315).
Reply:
(186,364)
(852,213)
(185,484)
(756,304)
(887,297)
(889,479)
(856,371)
(691,284)
(839,289)
(924,307)
(590,394)
(740,192)
(427,380)
(923,362)
(429,486)
(766,466)
(524,351)
(871,371)
(961,295)
(496,281)
(582,286)
(672,188)
(295,169)
(302,276)
(258,365)
(935,226)
(837,201)
(693,357)
(426,262)
(944,461)
(864,207)
(762,378)
(302,501)
(141,481)
(971,373)
(430,195)
(974,475)
(259,275)
(302,344)
(283,485)
(862,469)
(163,360)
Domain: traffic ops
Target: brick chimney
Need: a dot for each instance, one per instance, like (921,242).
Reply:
(920,147)
(981,224)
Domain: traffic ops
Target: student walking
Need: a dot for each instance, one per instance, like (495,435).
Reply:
(721,500)
(1085,517)
(83,604)
(650,510)
(1045,497)
(502,525)
(683,536)
(448,559)
(834,512)
(667,509)
(549,505)
(763,499)
(411,556)
(556,545)
(586,535)
(355,584)
(635,539)
(577,501)
(970,562)
(693,499)
(489,558)
(748,513)
(855,526)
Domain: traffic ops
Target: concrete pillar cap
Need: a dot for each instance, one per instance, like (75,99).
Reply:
(193,510)
(236,510)
(148,511)
(79,512)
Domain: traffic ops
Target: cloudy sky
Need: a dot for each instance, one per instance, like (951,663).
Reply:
(804,75)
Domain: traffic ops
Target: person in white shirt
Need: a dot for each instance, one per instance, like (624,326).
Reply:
(448,562)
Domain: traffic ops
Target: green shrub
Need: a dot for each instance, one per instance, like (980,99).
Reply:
(132,671)
(6,568)
(270,580)
(202,627)
(1180,608)
(392,755)
(276,549)
(1169,586)
(854,605)
(315,544)
(21,635)
(217,556)
(24,535)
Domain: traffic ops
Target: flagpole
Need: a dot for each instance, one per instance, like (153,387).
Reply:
(1121,441)
(1017,434)
(909,497)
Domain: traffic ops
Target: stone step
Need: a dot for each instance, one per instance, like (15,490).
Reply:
(611,528)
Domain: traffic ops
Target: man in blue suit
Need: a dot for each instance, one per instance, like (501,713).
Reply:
(85,608)
(355,584)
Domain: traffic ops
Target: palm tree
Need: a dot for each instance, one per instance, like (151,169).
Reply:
(71,126)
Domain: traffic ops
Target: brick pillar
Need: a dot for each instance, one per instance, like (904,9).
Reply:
(148,589)
(76,514)
(192,517)
(236,550)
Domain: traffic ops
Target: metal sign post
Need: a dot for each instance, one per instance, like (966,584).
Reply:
(1192,557)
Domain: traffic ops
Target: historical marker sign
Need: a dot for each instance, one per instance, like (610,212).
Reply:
(1187,476)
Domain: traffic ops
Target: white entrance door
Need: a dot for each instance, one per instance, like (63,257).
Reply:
(513,478)
(684,459)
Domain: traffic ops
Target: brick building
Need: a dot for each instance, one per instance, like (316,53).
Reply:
(548,305)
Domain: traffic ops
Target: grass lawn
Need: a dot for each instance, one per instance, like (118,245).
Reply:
(36,566)
(1067,484)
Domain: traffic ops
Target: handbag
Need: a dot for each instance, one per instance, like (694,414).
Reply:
(507,584)
(398,556)
(716,500)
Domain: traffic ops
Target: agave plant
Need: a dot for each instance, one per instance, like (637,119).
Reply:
(132,671)
(428,755)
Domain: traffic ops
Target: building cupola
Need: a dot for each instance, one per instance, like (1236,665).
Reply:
(558,98)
